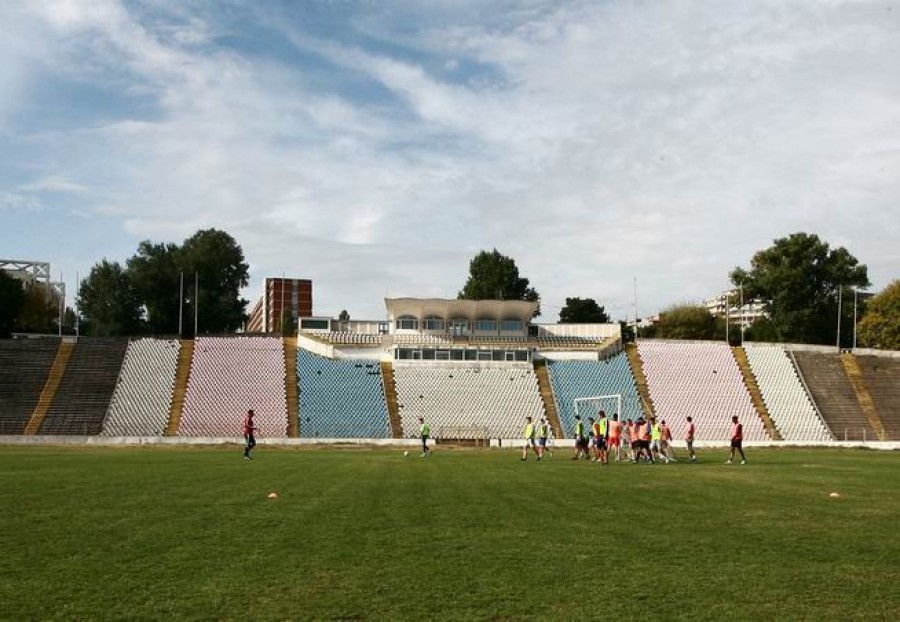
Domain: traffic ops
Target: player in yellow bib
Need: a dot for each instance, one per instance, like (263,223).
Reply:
(543,436)
(424,433)
(529,440)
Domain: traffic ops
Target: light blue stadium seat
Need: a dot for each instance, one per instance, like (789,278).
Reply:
(575,379)
(341,398)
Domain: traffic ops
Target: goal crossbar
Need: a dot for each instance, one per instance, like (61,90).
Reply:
(581,403)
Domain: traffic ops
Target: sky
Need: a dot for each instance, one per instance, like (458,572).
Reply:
(376,146)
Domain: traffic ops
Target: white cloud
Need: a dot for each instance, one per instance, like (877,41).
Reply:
(54,184)
(593,142)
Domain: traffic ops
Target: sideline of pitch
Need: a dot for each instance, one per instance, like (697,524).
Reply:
(118,441)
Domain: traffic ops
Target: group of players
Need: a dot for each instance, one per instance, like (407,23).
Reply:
(639,441)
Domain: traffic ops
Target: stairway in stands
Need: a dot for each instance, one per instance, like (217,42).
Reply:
(755,395)
(390,397)
(640,379)
(866,403)
(546,389)
(290,386)
(57,371)
(181,383)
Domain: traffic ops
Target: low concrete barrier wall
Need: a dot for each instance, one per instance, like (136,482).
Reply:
(115,441)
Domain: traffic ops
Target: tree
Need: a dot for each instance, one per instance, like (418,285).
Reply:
(761,330)
(40,310)
(798,278)
(880,326)
(586,311)
(627,331)
(344,316)
(12,299)
(155,271)
(687,322)
(287,322)
(219,261)
(493,276)
(108,301)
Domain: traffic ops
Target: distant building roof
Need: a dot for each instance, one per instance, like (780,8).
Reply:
(450,308)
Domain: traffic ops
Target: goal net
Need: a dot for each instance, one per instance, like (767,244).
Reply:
(590,406)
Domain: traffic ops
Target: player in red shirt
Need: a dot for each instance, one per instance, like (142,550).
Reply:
(689,438)
(248,428)
(665,442)
(737,440)
(615,436)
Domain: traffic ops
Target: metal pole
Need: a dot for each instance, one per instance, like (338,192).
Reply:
(840,295)
(181,304)
(62,304)
(743,314)
(196,300)
(727,314)
(635,311)
(77,306)
(855,300)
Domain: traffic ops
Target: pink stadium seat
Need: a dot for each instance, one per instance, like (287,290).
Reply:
(230,375)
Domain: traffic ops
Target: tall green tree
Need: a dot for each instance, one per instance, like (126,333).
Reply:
(494,276)
(40,311)
(798,278)
(155,272)
(880,326)
(109,302)
(219,261)
(687,322)
(12,299)
(583,311)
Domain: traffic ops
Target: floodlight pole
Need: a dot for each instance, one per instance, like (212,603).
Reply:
(727,296)
(855,300)
(180,304)
(743,312)
(196,300)
(62,304)
(77,306)
(635,311)
(840,295)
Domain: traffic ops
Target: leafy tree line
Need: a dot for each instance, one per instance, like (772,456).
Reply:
(143,296)
(880,326)
(799,280)
(30,308)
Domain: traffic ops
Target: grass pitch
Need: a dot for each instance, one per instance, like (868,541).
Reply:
(151,533)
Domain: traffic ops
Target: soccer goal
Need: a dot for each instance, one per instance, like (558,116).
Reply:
(590,406)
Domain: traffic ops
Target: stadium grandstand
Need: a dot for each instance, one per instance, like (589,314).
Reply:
(472,369)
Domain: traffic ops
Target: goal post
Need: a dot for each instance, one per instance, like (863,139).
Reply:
(589,406)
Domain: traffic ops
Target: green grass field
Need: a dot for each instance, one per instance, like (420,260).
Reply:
(153,533)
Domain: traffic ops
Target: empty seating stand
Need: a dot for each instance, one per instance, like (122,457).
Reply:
(785,398)
(882,378)
(230,375)
(86,389)
(24,367)
(831,389)
(472,397)
(351,339)
(578,379)
(341,398)
(143,397)
(701,380)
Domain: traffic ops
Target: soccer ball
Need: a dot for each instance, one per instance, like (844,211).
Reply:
(405,453)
